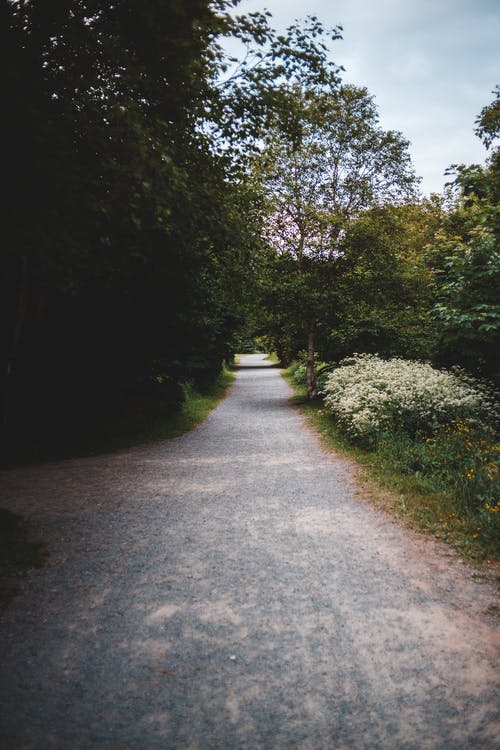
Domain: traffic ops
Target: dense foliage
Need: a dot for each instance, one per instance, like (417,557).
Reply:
(465,260)
(124,269)
(436,426)
(322,166)
(417,279)
(167,204)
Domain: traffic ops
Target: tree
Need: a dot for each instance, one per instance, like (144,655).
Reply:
(325,160)
(384,296)
(131,226)
(125,240)
(464,258)
(488,122)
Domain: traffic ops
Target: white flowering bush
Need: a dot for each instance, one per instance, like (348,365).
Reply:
(369,396)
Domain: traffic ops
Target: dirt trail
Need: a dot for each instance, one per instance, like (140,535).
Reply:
(228,589)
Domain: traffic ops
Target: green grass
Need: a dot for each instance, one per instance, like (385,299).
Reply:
(18,553)
(135,429)
(138,420)
(194,410)
(273,358)
(410,497)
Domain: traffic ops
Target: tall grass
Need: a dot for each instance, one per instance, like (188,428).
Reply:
(195,407)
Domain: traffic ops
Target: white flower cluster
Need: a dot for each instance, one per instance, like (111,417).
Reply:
(368,395)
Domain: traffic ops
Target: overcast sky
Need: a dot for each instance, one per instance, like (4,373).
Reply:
(431,64)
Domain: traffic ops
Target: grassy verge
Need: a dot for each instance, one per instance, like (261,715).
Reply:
(18,553)
(109,427)
(410,497)
(144,425)
(194,410)
(272,358)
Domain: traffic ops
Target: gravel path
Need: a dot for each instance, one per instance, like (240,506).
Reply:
(229,589)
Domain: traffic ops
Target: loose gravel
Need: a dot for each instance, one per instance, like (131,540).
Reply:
(230,589)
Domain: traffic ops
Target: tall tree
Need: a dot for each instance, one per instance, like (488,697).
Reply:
(464,258)
(326,159)
(125,241)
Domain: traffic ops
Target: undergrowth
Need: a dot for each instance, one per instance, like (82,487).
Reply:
(18,553)
(195,408)
(143,418)
(445,483)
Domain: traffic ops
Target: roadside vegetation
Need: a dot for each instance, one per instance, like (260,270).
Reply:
(19,552)
(169,204)
(161,414)
(192,408)
(428,436)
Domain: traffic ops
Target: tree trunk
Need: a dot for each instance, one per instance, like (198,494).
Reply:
(310,374)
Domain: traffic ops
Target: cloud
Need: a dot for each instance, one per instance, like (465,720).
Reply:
(431,66)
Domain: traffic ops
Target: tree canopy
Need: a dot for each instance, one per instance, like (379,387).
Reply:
(166,199)
(322,165)
(124,263)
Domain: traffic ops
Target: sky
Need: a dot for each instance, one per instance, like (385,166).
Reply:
(431,65)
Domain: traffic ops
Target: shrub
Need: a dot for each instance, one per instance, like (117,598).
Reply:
(368,396)
(468,462)
(298,370)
